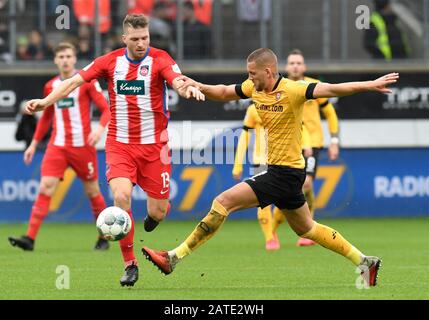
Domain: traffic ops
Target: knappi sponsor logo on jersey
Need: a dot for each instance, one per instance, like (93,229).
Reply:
(130,87)
(65,103)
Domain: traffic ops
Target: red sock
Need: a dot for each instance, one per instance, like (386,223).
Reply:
(97,205)
(38,214)
(127,245)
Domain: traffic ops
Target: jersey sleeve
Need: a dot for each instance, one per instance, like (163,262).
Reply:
(96,69)
(96,94)
(44,123)
(323,102)
(331,116)
(168,68)
(245,89)
(301,91)
(45,120)
(249,121)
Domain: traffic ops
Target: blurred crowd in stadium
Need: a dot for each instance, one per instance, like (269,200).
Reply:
(224,29)
(34,45)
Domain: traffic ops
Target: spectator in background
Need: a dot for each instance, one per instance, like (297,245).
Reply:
(197,39)
(84,42)
(84,12)
(85,50)
(384,39)
(161,34)
(26,126)
(84,31)
(203,11)
(253,10)
(112,43)
(36,48)
(22,48)
(4,32)
(140,6)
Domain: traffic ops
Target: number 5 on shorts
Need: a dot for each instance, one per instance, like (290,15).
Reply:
(90,168)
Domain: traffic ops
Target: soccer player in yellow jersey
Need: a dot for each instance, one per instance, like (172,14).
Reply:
(279,102)
(296,68)
(253,123)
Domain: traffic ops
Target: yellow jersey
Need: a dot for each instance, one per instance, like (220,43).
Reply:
(281,114)
(253,121)
(312,120)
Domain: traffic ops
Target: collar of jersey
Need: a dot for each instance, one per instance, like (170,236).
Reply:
(136,61)
(278,82)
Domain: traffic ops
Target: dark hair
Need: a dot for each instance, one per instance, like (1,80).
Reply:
(188,5)
(64,46)
(381,4)
(135,21)
(296,52)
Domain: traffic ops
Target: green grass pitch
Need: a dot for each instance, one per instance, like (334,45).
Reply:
(233,265)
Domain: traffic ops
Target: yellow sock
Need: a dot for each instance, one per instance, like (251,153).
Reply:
(333,240)
(204,231)
(182,250)
(265,219)
(278,219)
(309,196)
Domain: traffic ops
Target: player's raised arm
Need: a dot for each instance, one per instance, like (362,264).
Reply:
(327,90)
(62,91)
(218,92)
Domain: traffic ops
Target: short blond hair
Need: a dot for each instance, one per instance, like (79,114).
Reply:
(263,57)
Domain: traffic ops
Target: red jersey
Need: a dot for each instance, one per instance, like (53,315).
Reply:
(72,115)
(137,93)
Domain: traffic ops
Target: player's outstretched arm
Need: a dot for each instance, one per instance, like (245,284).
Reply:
(220,92)
(187,91)
(213,92)
(62,91)
(327,90)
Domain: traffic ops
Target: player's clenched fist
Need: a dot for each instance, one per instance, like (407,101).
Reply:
(34,105)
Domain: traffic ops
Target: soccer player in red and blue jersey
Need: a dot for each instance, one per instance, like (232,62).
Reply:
(136,146)
(71,145)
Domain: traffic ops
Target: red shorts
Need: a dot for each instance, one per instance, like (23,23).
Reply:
(83,160)
(147,165)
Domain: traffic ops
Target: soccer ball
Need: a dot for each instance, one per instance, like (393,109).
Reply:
(113,223)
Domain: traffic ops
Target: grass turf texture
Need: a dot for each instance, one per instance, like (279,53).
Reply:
(233,265)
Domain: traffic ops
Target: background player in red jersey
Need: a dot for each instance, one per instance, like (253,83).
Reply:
(71,145)
(136,146)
